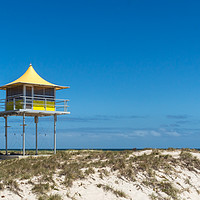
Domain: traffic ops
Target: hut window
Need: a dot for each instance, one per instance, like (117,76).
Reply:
(14,91)
(38,91)
(49,92)
(28,91)
(44,92)
(9,91)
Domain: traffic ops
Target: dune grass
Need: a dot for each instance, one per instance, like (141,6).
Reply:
(79,164)
(51,197)
(108,188)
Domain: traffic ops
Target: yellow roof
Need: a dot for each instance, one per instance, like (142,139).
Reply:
(32,78)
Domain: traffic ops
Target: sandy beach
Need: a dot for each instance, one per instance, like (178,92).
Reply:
(88,175)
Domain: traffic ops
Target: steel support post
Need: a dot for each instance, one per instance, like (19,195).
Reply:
(55,119)
(36,135)
(6,134)
(24,134)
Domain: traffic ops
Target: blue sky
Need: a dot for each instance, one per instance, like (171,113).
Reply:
(133,68)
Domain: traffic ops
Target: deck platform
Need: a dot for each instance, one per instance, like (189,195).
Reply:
(32,113)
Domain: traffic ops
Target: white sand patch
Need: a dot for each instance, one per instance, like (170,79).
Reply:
(196,155)
(140,153)
(174,154)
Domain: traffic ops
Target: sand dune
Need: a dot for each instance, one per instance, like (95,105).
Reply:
(98,175)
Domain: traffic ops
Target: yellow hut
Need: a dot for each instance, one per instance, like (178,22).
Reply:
(31,95)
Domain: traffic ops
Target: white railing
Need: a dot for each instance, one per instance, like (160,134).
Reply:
(18,102)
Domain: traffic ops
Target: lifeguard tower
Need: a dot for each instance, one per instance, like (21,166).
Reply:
(31,95)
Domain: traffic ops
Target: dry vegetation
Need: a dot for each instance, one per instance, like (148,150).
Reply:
(79,164)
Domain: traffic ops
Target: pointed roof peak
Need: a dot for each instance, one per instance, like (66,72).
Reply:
(31,77)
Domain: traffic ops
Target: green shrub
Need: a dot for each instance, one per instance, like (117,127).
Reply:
(55,197)
(41,188)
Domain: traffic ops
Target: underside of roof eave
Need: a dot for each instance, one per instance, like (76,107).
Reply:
(62,87)
(34,84)
(2,88)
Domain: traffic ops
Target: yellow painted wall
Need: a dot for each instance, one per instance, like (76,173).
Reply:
(40,105)
(18,105)
(37,105)
(9,106)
